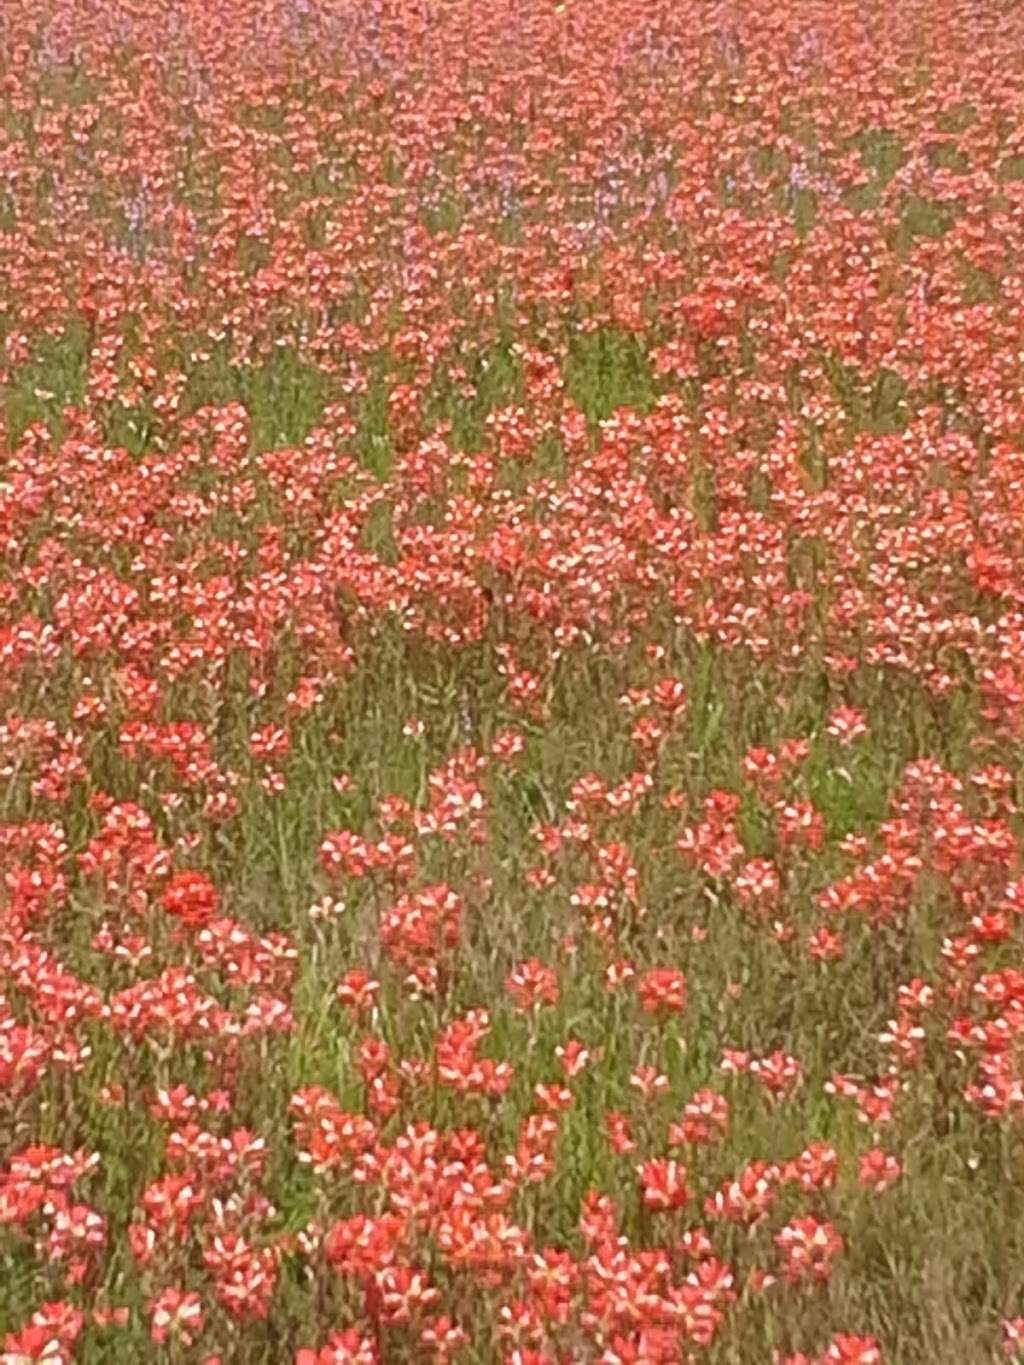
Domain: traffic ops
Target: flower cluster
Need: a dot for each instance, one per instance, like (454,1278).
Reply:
(512,639)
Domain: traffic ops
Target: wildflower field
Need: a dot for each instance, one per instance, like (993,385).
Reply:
(512,678)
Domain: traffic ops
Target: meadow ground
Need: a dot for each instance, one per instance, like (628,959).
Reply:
(512,638)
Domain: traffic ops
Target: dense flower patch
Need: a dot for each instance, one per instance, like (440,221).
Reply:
(512,640)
